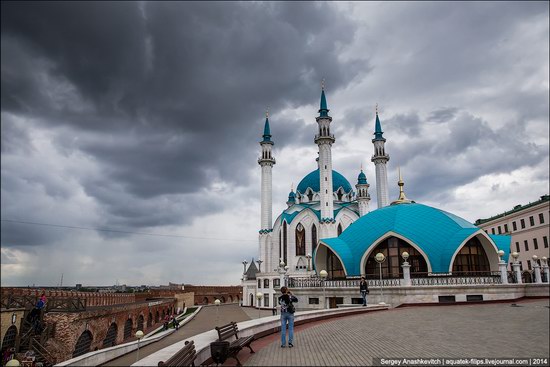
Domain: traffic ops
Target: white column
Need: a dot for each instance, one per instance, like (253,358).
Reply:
(325,177)
(503,271)
(406,274)
(517,271)
(381,184)
(266,204)
(536,267)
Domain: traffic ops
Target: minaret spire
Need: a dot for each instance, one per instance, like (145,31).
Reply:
(380,159)
(324,139)
(363,196)
(402,197)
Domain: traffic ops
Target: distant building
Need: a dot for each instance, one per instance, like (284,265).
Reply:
(529,226)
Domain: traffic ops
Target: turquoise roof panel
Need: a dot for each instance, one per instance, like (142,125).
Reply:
(436,232)
(378,129)
(312,180)
(503,243)
(267,131)
(323,111)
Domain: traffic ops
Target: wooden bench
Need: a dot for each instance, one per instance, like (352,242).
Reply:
(227,331)
(184,357)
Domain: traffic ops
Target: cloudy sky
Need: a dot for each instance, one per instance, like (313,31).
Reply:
(130,130)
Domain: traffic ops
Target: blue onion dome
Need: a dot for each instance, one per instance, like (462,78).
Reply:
(312,181)
(291,196)
(362,178)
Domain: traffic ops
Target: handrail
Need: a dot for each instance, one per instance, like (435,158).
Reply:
(39,349)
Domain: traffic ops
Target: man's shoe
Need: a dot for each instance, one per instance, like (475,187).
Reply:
(283,346)
(290,345)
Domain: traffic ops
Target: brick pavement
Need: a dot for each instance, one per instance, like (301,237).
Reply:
(458,331)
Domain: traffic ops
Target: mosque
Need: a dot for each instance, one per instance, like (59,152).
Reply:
(328,225)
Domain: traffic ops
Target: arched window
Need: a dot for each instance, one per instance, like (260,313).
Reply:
(128,329)
(230,299)
(280,247)
(300,240)
(392,248)
(83,344)
(205,300)
(339,229)
(150,320)
(9,338)
(471,259)
(284,242)
(339,195)
(157,317)
(110,338)
(334,266)
(251,300)
(313,238)
(222,298)
(310,195)
(140,323)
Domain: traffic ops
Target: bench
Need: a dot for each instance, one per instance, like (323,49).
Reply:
(184,357)
(227,331)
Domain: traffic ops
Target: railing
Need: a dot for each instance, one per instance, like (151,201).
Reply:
(40,350)
(417,279)
(26,302)
(66,304)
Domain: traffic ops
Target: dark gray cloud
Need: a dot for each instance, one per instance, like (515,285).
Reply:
(146,117)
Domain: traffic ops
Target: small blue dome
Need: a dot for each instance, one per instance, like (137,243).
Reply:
(362,178)
(291,196)
(436,232)
(312,180)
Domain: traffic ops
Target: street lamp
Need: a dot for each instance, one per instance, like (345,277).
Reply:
(380,258)
(308,257)
(500,255)
(323,274)
(259,265)
(139,335)
(13,363)
(259,296)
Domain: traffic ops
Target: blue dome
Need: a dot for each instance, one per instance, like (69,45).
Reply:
(362,178)
(291,196)
(437,233)
(312,180)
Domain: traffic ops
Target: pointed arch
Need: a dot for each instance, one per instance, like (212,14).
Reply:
(83,344)
(313,238)
(140,323)
(10,338)
(128,328)
(339,229)
(300,240)
(110,338)
(285,242)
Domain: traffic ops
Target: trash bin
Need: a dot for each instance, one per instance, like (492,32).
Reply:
(219,351)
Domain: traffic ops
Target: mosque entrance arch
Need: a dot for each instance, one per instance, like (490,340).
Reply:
(471,259)
(392,248)
(326,259)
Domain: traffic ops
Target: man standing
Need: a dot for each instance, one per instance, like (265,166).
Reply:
(287,315)
(364,289)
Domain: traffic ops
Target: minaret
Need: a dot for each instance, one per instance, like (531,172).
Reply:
(363,196)
(380,158)
(324,140)
(266,161)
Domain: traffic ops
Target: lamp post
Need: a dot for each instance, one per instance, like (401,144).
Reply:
(139,335)
(380,258)
(308,257)
(217,303)
(544,261)
(286,275)
(502,267)
(323,274)
(516,267)
(259,296)
(536,268)
(406,269)
(259,265)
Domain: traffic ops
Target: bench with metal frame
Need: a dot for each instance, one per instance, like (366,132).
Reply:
(184,357)
(226,332)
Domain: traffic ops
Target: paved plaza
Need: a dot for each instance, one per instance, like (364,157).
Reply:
(458,331)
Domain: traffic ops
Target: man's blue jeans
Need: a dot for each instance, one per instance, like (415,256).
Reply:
(364,295)
(287,317)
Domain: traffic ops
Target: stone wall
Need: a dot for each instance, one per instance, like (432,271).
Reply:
(6,320)
(92,298)
(208,294)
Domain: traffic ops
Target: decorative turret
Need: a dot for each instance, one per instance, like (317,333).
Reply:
(380,159)
(363,196)
(324,139)
(402,198)
(266,161)
(291,197)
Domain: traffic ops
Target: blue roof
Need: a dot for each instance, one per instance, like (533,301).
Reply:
(312,180)
(298,208)
(362,178)
(378,129)
(436,232)
(323,111)
(267,131)
(291,195)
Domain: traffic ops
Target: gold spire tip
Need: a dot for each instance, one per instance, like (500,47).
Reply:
(323,84)
(267,112)
(376,108)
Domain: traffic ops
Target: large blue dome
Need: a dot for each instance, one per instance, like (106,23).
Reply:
(437,233)
(312,180)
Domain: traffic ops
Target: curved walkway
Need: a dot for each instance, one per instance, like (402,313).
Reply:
(459,331)
(207,318)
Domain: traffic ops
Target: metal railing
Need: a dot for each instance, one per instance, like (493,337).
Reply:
(419,279)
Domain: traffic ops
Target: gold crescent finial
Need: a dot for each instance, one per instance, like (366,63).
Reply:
(267,112)
(292,186)
(376,108)
(323,84)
